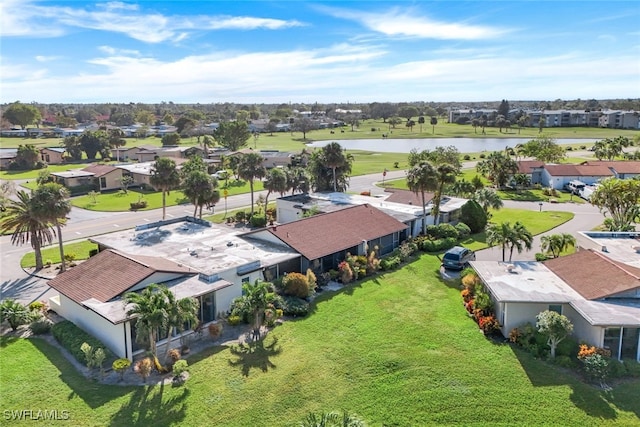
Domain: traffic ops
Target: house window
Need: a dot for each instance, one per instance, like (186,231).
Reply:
(556,307)
(612,341)
(103,182)
(208,307)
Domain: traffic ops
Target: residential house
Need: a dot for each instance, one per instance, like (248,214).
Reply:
(557,176)
(531,168)
(7,155)
(125,154)
(53,155)
(621,169)
(193,258)
(597,288)
(324,240)
(101,177)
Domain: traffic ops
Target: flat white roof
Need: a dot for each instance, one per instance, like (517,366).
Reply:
(619,246)
(72,174)
(208,250)
(533,282)
(529,281)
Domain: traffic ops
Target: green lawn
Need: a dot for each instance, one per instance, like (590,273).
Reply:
(538,196)
(398,349)
(80,249)
(33,174)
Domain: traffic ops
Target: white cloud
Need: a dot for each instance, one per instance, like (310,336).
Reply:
(43,58)
(607,38)
(334,74)
(18,18)
(406,23)
(115,51)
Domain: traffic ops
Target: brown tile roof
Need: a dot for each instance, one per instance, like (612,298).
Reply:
(100,170)
(594,275)
(109,274)
(332,232)
(407,197)
(578,170)
(620,166)
(526,166)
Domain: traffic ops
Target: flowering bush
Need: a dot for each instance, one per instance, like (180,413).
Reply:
(466,295)
(346,274)
(488,324)
(514,335)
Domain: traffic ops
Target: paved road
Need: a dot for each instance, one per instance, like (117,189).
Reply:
(16,283)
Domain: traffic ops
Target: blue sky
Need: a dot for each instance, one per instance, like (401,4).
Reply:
(325,51)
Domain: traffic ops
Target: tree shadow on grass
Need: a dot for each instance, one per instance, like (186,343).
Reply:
(148,406)
(91,392)
(255,355)
(594,401)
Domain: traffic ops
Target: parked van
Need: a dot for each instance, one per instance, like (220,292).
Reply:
(576,186)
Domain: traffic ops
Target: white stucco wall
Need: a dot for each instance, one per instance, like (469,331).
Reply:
(286,212)
(517,314)
(583,330)
(113,336)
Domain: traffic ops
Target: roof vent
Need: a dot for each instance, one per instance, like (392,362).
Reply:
(604,249)
(636,248)
(511,268)
(229,244)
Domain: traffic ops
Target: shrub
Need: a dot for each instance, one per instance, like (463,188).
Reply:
(258,221)
(390,263)
(463,230)
(121,366)
(482,155)
(474,216)
(72,337)
(296,284)
(234,320)
(596,367)
(311,278)
(616,369)
(174,355)
(70,257)
(40,326)
(14,313)
(93,252)
(143,368)
(180,366)
(38,306)
(215,329)
(296,307)
(346,274)
(563,361)
(442,231)
(541,257)
(240,216)
(466,157)
(470,281)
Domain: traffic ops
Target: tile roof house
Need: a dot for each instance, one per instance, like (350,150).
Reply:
(531,168)
(52,155)
(599,294)
(323,240)
(621,169)
(193,258)
(557,176)
(103,177)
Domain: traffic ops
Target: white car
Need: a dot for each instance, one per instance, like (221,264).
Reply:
(220,175)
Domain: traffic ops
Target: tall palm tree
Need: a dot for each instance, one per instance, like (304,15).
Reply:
(257,297)
(298,179)
(250,168)
(333,159)
(164,177)
(499,234)
(275,182)
(198,186)
(180,312)
(445,174)
(488,199)
(51,202)
(26,225)
(420,179)
(151,311)
(556,243)
(520,238)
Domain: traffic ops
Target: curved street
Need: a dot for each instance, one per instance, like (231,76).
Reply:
(18,284)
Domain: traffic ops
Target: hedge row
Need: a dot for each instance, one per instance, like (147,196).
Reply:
(72,337)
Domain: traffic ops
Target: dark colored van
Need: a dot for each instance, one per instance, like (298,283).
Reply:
(458,258)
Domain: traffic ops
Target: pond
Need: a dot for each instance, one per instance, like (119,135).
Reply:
(464,145)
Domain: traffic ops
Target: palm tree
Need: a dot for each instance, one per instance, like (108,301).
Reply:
(499,234)
(257,297)
(275,182)
(180,312)
(164,177)
(488,199)
(298,179)
(250,168)
(151,311)
(420,179)
(26,225)
(198,186)
(557,243)
(51,203)
(520,238)
(445,174)
(333,159)
(498,167)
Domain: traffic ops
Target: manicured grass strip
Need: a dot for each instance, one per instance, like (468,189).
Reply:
(539,196)
(79,249)
(398,349)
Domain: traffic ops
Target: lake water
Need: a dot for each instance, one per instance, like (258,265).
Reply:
(464,145)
